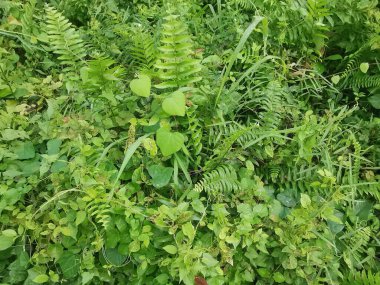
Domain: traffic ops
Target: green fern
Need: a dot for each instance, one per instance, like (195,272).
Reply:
(245,4)
(356,245)
(222,149)
(27,22)
(176,67)
(360,80)
(98,206)
(270,102)
(195,129)
(143,50)
(64,40)
(221,180)
(362,278)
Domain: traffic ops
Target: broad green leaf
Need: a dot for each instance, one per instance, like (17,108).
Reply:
(169,142)
(87,277)
(305,200)
(286,199)
(260,210)
(41,279)
(69,231)
(70,264)
(134,246)
(113,257)
(198,206)
(141,86)
(335,79)
(5,91)
(209,260)
(81,216)
(10,134)
(6,242)
(290,263)
(188,230)
(160,175)
(334,57)
(59,165)
(24,150)
(53,146)
(113,237)
(170,249)
(278,277)
(150,145)
(9,233)
(375,101)
(175,104)
(364,66)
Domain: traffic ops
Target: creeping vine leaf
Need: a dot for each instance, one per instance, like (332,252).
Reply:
(169,142)
(141,86)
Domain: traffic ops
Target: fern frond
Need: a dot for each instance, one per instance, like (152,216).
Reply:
(64,39)
(221,180)
(362,278)
(356,245)
(143,50)
(245,4)
(176,67)
(27,22)
(97,207)
(360,80)
(272,105)
(196,134)
(222,149)
(357,162)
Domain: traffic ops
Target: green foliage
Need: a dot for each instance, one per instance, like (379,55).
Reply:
(177,68)
(189,142)
(64,39)
(365,278)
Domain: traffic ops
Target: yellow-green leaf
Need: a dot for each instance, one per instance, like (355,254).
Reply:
(170,249)
(42,278)
(141,86)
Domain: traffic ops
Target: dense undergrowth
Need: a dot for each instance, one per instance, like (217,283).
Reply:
(189,142)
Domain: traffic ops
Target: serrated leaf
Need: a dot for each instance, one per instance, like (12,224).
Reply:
(209,260)
(53,146)
(24,150)
(69,264)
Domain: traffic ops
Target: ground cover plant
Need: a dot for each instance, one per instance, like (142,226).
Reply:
(189,142)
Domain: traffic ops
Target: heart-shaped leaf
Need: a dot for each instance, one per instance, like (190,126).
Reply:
(175,104)
(364,66)
(141,86)
(169,142)
(335,79)
(160,175)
